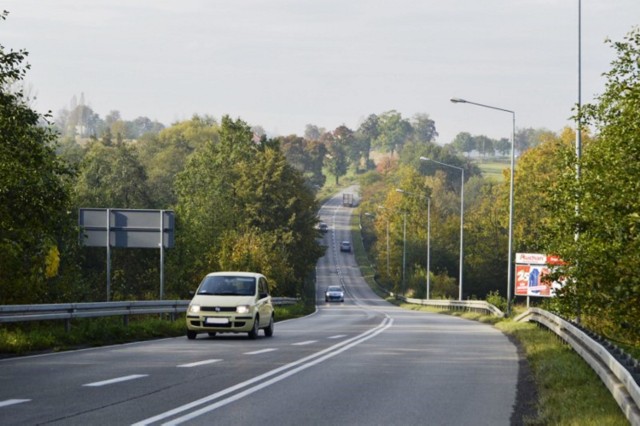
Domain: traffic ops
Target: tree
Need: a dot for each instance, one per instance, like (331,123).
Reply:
(112,176)
(538,169)
(464,142)
(34,191)
(424,128)
(365,136)
(503,146)
(305,155)
(165,154)
(602,265)
(240,204)
(313,132)
(336,160)
(484,145)
(346,137)
(394,132)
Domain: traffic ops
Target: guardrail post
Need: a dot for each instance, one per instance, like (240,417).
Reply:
(125,320)
(67,325)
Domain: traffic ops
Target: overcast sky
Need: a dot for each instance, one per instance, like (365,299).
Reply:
(282,64)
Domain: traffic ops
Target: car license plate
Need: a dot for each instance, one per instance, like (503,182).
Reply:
(216,321)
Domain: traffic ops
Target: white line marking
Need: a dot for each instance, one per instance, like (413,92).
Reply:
(13,402)
(308,342)
(261,351)
(330,352)
(276,379)
(116,380)
(338,336)
(199,363)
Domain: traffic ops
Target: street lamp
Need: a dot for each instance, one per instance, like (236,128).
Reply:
(428,237)
(513,143)
(461,219)
(388,268)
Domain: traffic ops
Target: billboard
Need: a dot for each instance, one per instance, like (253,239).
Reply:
(127,228)
(531,268)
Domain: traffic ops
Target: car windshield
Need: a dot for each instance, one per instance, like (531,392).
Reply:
(228,286)
(334,289)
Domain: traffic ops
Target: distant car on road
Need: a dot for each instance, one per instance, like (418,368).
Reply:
(345,246)
(323,227)
(334,293)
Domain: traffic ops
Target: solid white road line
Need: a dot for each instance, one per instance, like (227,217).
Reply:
(199,363)
(303,363)
(116,380)
(13,402)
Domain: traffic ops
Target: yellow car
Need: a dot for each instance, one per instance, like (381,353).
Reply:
(231,302)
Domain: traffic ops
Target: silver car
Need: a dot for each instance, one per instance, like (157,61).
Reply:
(334,293)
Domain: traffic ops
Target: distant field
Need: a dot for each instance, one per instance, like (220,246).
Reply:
(492,169)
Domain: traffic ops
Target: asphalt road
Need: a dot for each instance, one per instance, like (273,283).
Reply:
(361,362)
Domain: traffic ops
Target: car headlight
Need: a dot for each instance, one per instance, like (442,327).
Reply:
(194,309)
(243,309)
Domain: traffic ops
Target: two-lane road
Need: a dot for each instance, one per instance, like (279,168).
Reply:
(363,361)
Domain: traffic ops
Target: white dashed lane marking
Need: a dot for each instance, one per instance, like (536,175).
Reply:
(116,380)
(12,402)
(261,351)
(308,342)
(199,363)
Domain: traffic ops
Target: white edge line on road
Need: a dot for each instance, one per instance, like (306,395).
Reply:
(338,336)
(199,363)
(249,382)
(116,380)
(308,342)
(13,402)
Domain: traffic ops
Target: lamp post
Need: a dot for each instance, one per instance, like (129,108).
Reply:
(513,143)
(428,289)
(388,268)
(461,219)
(404,252)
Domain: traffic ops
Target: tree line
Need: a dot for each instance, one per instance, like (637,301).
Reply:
(247,201)
(584,209)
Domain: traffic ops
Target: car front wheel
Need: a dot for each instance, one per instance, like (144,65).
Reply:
(269,330)
(191,335)
(256,327)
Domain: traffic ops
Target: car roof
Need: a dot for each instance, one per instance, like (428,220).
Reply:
(236,274)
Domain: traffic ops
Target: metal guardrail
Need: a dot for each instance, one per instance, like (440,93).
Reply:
(617,378)
(462,305)
(69,311)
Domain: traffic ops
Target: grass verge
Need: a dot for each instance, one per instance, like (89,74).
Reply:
(51,336)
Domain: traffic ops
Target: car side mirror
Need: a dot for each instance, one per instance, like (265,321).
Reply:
(192,293)
(263,295)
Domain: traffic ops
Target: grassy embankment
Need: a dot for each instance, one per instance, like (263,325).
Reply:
(50,336)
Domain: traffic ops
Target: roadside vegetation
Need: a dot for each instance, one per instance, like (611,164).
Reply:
(51,336)
(568,391)
(245,201)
